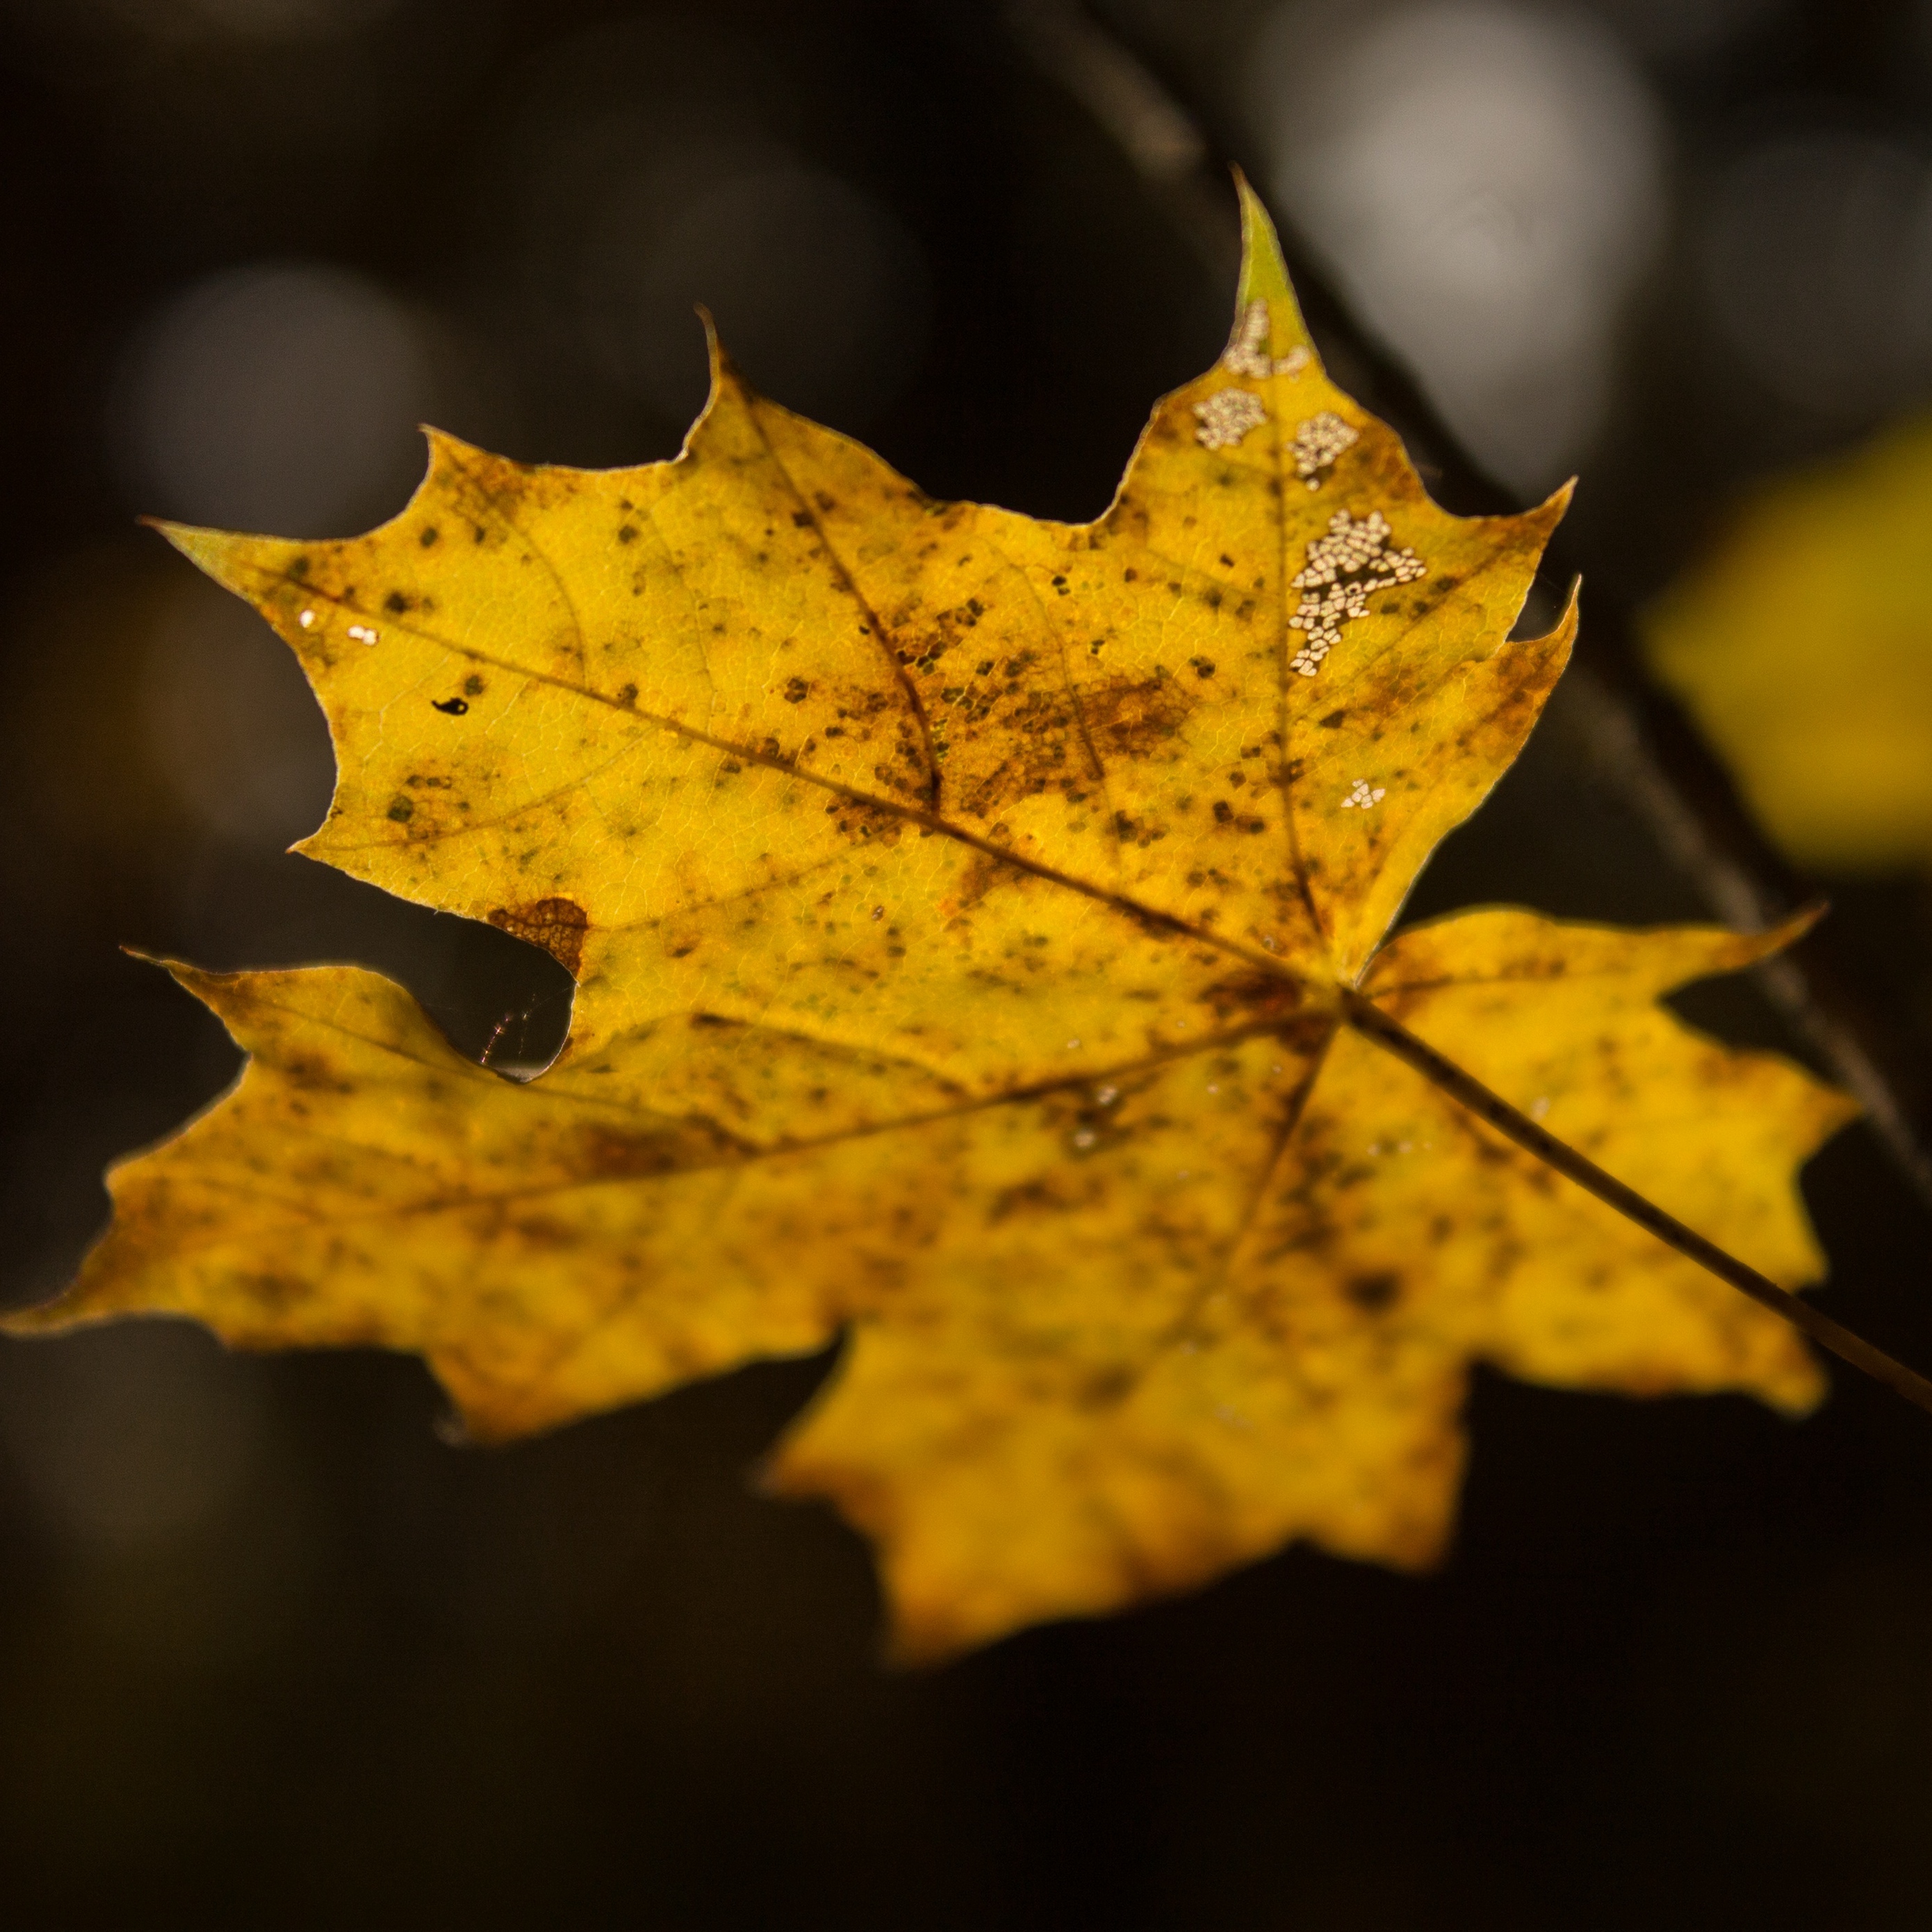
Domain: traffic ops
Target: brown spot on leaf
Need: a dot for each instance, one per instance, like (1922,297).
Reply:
(1127,718)
(613,1155)
(1373,1294)
(557,925)
(313,1075)
(274,1294)
(1253,996)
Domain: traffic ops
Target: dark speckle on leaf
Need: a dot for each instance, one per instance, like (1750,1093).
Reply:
(454,707)
(1373,1294)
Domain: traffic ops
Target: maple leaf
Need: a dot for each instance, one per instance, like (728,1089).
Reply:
(1802,645)
(979,925)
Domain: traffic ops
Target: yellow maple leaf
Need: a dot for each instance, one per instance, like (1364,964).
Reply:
(979,925)
(1803,646)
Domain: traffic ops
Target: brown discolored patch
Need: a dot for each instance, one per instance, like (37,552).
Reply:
(982,872)
(672,1149)
(1373,1294)
(1046,1195)
(1255,996)
(1060,737)
(557,925)
(1106,1388)
(312,1074)
(1126,718)
(539,1233)
(274,1294)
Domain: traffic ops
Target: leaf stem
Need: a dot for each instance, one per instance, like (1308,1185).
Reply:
(1369,1020)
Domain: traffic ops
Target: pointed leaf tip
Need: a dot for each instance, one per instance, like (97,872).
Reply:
(208,549)
(1264,272)
(1282,347)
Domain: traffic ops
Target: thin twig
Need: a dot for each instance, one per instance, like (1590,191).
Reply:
(1369,1020)
(1719,852)
(1160,139)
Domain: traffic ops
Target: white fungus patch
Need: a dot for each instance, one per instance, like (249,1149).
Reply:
(307,618)
(1247,353)
(362,634)
(1227,416)
(1345,569)
(1364,797)
(1317,443)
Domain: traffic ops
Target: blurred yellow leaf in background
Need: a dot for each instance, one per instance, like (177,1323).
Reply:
(968,912)
(1802,645)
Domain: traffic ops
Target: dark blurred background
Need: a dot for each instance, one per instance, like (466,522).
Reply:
(270,1653)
